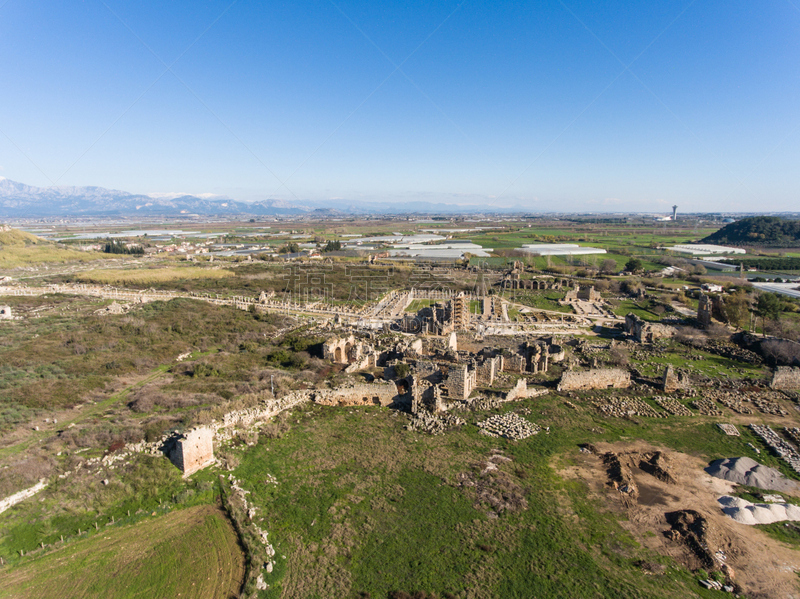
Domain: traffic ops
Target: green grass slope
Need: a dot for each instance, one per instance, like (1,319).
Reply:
(189,553)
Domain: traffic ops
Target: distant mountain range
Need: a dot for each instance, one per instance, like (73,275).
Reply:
(18,200)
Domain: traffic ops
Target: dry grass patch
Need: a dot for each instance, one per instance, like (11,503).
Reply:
(152,275)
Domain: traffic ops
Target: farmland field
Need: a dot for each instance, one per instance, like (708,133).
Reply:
(188,553)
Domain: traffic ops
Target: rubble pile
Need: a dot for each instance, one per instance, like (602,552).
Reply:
(479,404)
(767,406)
(706,407)
(732,352)
(744,397)
(731,401)
(778,445)
(434,424)
(673,406)
(624,407)
(793,433)
(509,426)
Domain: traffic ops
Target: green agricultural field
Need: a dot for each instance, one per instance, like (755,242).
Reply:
(188,553)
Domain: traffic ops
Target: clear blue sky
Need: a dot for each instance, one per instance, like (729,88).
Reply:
(495,103)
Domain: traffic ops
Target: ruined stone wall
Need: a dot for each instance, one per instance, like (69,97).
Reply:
(600,378)
(486,371)
(514,363)
(460,382)
(556,353)
(14,499)
(588,294)
(425,369)
(646,332)
(538,357)
(194,450)
(704,309)
(365,394)
(786,378)
(368,360)
(672,381)
(342,350)
(518,391)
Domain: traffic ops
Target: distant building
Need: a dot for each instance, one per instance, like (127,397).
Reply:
(560,249)
(705,249)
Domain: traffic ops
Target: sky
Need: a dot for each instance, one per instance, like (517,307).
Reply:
(549,106)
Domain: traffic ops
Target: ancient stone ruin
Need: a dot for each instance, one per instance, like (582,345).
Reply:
(646,332)
(672,381)
(599,378)
(704,310)
(583,293)
(365,394)
(786,378)
(193,450)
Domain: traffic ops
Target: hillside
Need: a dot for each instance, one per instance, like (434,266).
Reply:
(766,231)
(18,248)
(14,237)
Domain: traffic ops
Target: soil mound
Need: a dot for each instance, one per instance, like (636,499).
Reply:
(746,471)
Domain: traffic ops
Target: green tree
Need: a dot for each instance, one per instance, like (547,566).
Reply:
(633,265)
(737,308)
(608,266)
(768,307)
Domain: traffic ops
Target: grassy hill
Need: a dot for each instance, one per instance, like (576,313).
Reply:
(766,231)
(18,248)
(15,237)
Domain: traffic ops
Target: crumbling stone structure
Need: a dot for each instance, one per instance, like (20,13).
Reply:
(646,332)
(487,369)
(460,382)
(583,293)
(519,390)
(599,378)
(459,311)
(514,363)
(365,394)
(342,350)
(704,310)
(672,381)
(5,313)
(193,450)
(786,378)
(426,396)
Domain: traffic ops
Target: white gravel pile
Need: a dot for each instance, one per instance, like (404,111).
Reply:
(746,471)
(748,513)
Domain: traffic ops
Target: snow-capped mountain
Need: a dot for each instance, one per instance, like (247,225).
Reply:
(18,200)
